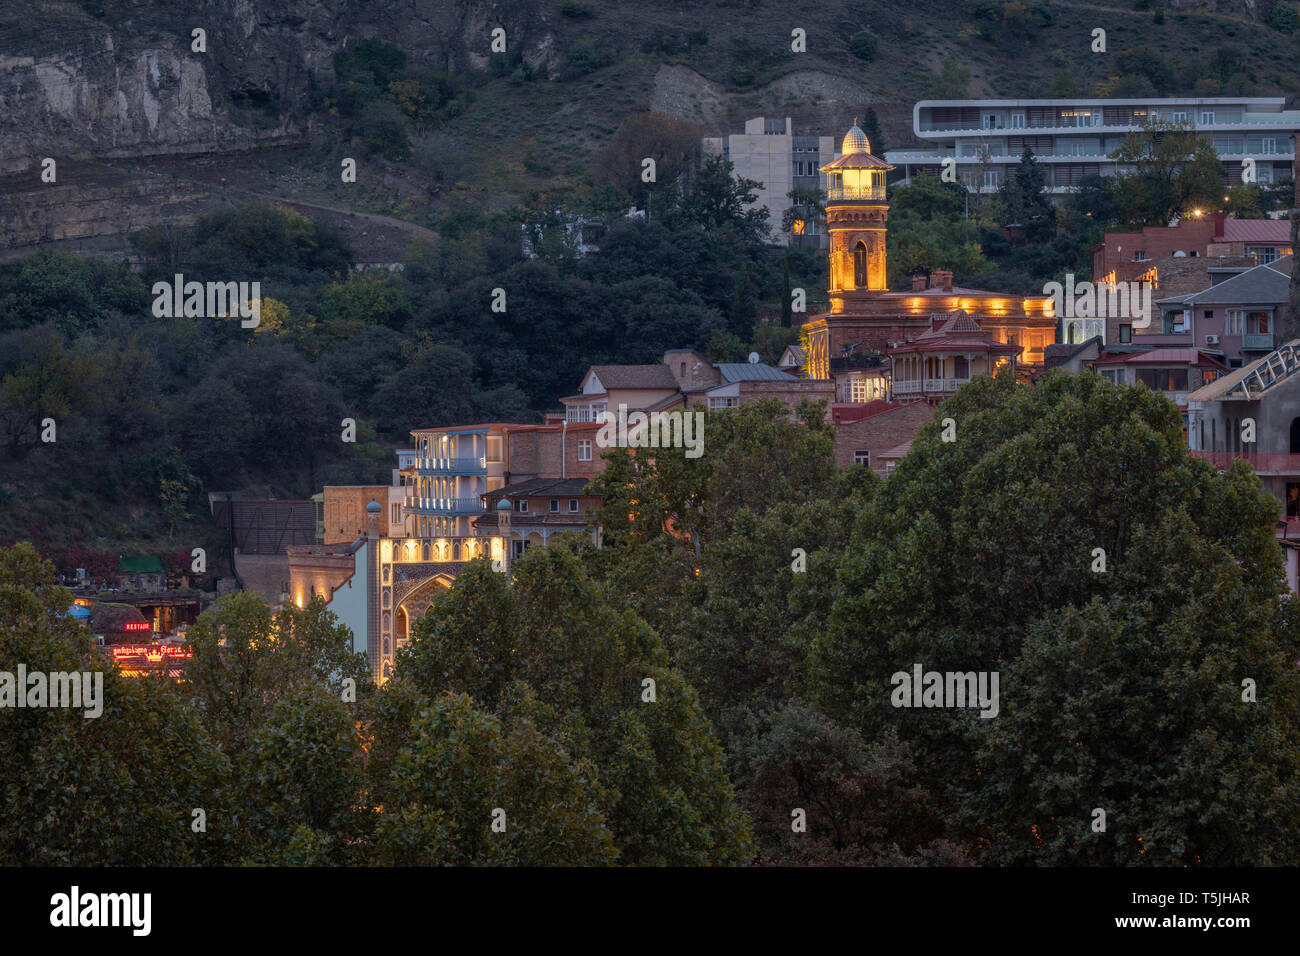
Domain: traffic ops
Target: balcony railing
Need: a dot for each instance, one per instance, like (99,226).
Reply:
(944,386)
(1264,463)
(451,466)
(444,507)
(908,387)
(1257,342)
(856,192)
(1282,122)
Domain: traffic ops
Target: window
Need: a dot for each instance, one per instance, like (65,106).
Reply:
(1126,333)
(555,504)
(1236,322)
(1017,120)
(1208,313)
(573,505)
(1207,117)
(1269,145)
(1140,255)
(1258,323)
(715,403)
(1178,117)
(584,449)
(1115,375)
(1262,255)
(521,505)
(683,368)
(991,178)
(862,458)
(494,448)
(1163,379)
(860,266)
(960,367)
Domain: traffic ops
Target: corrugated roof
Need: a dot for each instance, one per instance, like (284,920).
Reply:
(1167,356)
(1257,230)
(751,372)
(541,486)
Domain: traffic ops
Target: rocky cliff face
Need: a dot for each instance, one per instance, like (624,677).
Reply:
(119,78)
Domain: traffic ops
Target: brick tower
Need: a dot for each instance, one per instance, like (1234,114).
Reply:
(857,214)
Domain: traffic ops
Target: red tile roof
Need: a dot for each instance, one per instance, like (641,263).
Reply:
(1257,230)
(1163,357)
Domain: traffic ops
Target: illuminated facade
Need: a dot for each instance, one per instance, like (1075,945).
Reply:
(865,317)
(934,365)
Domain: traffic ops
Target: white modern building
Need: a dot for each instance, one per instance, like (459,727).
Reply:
(1073,138)
(770,153)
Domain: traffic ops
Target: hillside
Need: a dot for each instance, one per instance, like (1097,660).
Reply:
(118,82)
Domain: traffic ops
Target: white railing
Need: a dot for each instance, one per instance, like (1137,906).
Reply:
(856,192)
(944,385)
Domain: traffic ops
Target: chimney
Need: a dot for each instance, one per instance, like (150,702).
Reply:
(1218,224)
(941,279)
(918,283)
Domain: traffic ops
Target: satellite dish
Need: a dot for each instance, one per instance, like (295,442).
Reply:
(753,358)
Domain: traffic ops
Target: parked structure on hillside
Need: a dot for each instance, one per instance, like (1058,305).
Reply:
(769,152)
(1073,138)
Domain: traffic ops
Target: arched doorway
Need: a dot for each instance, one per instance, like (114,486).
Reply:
(413,607)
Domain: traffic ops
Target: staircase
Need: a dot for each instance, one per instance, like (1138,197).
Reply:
(1278,365)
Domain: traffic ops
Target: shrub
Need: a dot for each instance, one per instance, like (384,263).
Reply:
(863,45)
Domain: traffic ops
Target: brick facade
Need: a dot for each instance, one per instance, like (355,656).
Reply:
(880,433)
(535,452)
(345,511)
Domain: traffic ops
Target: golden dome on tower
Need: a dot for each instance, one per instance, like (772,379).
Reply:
(855,141)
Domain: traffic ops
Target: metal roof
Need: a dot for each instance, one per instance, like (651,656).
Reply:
(752,372)
(1262,284)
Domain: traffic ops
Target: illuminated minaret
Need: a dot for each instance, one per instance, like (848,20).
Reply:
(857,213)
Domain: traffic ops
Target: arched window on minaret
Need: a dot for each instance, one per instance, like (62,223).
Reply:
(860,265)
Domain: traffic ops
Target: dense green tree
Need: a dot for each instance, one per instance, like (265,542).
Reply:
(1173,172)
(248,657)
(1024,199)
(75,294)
(1000,569)
(113,789)
(564,666)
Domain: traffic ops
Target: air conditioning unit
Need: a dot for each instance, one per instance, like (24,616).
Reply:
(1211,340)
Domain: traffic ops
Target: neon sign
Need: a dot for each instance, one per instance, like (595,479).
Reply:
(151,653)
(136,626)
